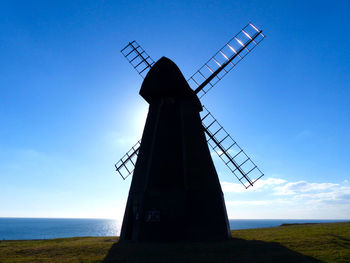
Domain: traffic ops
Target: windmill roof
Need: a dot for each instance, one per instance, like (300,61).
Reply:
(166,80)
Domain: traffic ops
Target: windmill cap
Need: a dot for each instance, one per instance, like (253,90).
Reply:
(166,80)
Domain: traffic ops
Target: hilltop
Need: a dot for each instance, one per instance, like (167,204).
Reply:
(290,243)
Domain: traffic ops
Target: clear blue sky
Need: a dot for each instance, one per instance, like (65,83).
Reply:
(69,103)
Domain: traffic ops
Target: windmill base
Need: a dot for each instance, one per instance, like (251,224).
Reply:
(176,216)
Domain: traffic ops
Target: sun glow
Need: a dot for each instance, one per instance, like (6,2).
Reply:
(138,118)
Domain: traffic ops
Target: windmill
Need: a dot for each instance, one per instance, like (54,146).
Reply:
(175,193)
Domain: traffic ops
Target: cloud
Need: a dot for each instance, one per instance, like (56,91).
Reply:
(279,198)
(315,193)
(269,182)
(229,187)
(335,194)
(303,187)
(292,190)
(248,202)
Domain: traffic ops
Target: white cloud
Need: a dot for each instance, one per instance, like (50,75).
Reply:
(278,198)
(229,187)
(335,193)
(269,182)
(244,203)
(303,186)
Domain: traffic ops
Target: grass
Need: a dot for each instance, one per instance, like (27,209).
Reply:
(77,249)
(293,243)
(325,242)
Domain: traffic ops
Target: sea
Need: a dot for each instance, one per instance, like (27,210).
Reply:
(47,228)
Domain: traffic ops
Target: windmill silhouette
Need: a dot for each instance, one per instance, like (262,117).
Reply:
(175,193)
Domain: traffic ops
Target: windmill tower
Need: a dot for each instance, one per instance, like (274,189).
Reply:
(175,193)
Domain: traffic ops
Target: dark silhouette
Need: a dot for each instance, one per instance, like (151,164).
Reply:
(175,191)
(235,250)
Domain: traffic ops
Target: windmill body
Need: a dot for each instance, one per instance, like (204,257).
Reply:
(175,192)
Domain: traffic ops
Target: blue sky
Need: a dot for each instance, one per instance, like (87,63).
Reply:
(69,103)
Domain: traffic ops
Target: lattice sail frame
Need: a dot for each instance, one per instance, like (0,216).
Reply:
(219,140)
(225,59)
(126,165)
(138,58)
(239,163)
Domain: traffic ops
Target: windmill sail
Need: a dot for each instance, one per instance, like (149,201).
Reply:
(138,58)
(201,82)
(225,59)
(229,151)
(214,69)
(126,165)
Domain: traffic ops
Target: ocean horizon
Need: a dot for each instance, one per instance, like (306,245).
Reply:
(12,228)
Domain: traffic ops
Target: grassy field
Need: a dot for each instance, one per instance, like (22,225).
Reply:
(294,243)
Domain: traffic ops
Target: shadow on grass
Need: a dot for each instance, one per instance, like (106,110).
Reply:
(234,250)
